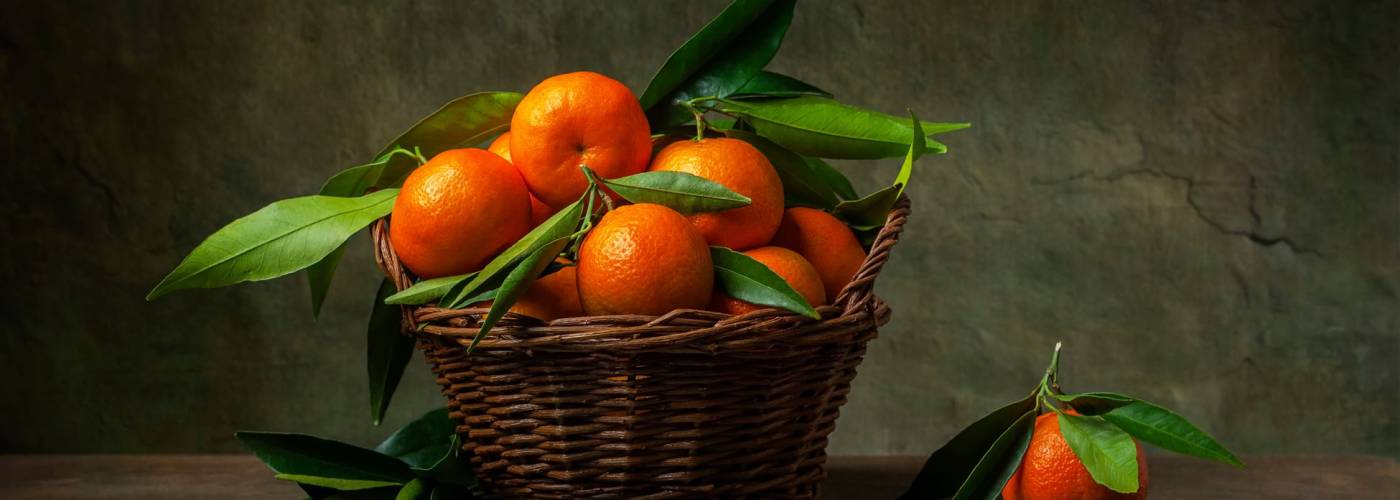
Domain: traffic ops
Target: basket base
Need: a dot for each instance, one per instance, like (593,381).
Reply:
(549,424)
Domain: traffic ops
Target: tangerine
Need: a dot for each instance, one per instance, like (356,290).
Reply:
(643,259)
(539,212)
(575,119)
(1051,470)
(826,242)
(456,211)
(743,169)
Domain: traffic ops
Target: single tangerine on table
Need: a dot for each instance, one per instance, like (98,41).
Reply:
(787,264)
(826,242)
(575,119)
(457,211)
(539,212)
(743,169)
(1051,471)
(644,259)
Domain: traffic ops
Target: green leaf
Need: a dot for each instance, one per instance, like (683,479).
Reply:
(821,127)
(465,122)
(802,184)
(769,84)
(388,351)
(303,455)
(281,238)
(1108,453)
(1161,427)
(746,279)
(718,60)
(1000,461)
(947,469)
(518,281)
(426,291)
(680,191)
(422,442)
(870,212)
(558,225)
(387,493)
(453,468)
(318,277)
(351,182)
(336,483)
(416,489)
(1094,403)
(832,177)
(388,168)
(452,492)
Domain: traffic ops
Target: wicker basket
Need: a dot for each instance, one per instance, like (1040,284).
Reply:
(689,404)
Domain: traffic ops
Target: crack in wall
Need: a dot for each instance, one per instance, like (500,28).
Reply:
(1252,234)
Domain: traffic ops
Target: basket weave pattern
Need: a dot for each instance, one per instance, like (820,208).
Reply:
(689,404)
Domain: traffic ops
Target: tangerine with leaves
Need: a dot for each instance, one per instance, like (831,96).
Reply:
(458,210)
(644,259)
(795,270)
(1051,471)
(551,297)
(743,169)
(574,119)
(826,242)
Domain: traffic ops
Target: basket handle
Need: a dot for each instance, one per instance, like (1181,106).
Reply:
(860,292)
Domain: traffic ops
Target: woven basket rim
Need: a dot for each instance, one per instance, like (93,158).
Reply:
(681,330)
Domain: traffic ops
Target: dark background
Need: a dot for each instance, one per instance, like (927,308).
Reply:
(1199,197)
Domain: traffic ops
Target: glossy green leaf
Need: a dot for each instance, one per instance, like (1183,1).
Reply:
(802,184)
(417,489)
(832,177)
(281,238)
(453,467)
(718,60)
(1094,403)
(749,280)
(422,442)
(518,281)
(824,128)
(335,483)
(680,191)
(303,455)
(465,122)
(388,168)
(947,469)
(770,84)
(388,351)
(319,276)
(1108,453)
(870,212)
(426,291)
(562,223)
(1161,427)
(1000,461)
(351,182)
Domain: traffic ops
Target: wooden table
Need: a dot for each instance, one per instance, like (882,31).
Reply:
(857,478)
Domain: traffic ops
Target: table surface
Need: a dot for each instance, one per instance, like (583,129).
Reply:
(865,478)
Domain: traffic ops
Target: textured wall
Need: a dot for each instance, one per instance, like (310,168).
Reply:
(1199,198)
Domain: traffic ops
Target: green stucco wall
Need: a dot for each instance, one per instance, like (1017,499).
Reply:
(1200,198)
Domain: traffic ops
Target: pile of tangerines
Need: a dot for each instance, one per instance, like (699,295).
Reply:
(462,207)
